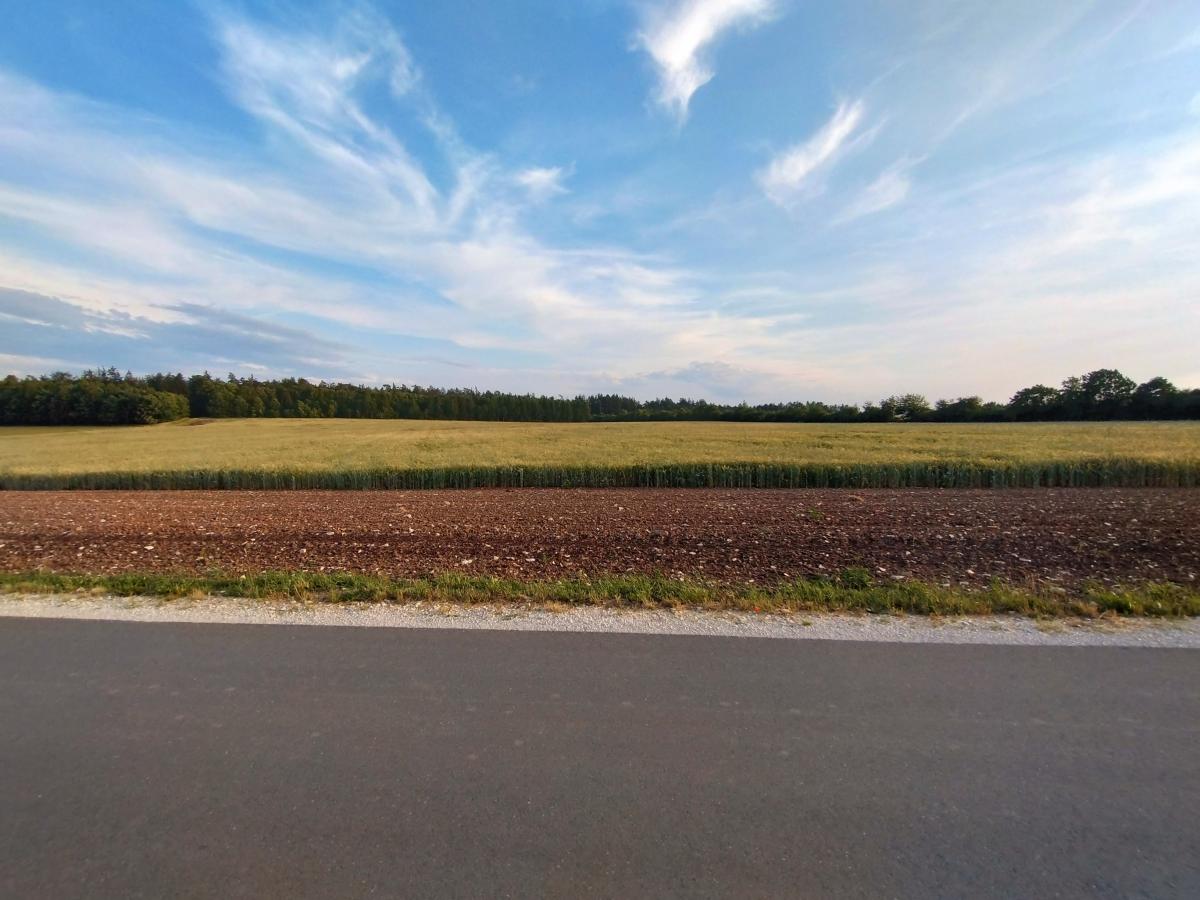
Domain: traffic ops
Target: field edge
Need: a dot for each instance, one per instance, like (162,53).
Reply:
(853,590)
(1093,472)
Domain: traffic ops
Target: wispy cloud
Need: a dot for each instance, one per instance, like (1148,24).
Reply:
(542,183)
(326,216)
(787,175)
(889,189)
(1126,206)
(306,84)
(21,364)
(198,335)
(335,187)
(677,34)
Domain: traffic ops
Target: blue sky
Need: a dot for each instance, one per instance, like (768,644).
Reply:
(737,199)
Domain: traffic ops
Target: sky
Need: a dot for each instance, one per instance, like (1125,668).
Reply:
(759,200)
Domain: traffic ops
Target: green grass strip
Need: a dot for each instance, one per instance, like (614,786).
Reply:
(852,591)
(1099,472)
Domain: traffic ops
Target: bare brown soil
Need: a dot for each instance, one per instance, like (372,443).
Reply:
(1070,535)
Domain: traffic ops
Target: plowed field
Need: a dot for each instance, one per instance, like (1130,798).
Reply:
(1069,536)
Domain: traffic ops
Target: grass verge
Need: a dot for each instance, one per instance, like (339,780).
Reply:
(851,591)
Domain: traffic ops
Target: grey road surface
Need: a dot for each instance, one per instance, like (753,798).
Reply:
(184,760)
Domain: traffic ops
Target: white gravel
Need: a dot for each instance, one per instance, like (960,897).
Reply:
(810,626)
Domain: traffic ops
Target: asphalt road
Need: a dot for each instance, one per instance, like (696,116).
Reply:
(165,760)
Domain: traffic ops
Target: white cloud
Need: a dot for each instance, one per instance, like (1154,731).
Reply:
(889,189)
(542,183)
(147,225)
(676,35)
(306,83)
(15,364)
(1022,266)
(720,379)
(1124,206)
(786,176)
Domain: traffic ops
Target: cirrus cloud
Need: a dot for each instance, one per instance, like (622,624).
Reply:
(677,34)
(789,174)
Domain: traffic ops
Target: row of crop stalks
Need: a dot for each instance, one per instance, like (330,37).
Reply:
(1103,472)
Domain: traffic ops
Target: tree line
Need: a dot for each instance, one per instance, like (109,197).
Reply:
(94,398)
(108,397)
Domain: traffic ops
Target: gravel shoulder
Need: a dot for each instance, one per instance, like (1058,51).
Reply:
(1010,630)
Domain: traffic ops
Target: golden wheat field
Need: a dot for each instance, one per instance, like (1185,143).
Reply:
(340,448)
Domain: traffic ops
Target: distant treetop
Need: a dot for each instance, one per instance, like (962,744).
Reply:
(108,397)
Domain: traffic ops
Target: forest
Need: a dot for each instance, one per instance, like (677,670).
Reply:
(108,397)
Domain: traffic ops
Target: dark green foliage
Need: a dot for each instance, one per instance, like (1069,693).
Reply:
(968,409)
(905,408)
(1103,394)
(1156,399)
(1107,392)
(294,398)
(108,397)
(94,398)
(856,578)
(1039,402)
